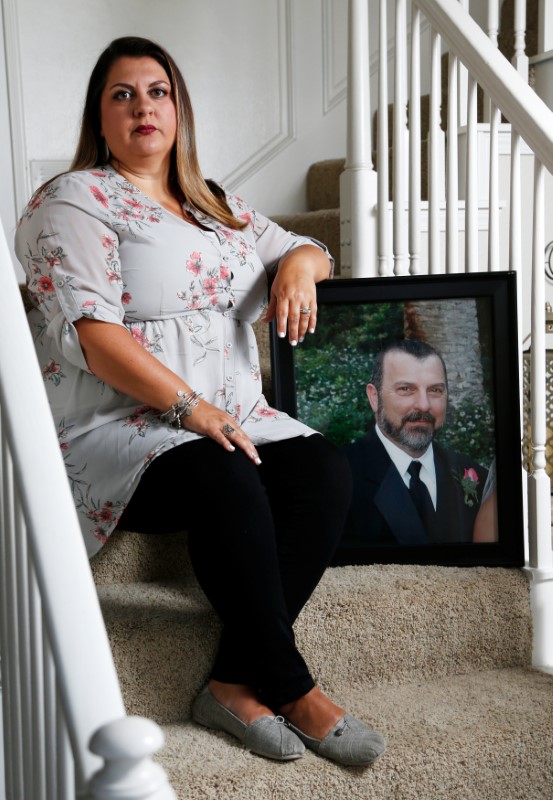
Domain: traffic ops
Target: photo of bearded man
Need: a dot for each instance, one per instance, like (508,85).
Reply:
(409,490)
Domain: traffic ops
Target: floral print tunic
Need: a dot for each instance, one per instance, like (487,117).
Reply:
(93,245)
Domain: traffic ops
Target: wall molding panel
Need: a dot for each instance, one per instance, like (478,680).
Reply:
(29,174)
(286,132)
(42,171)
(334,87)
(335,84)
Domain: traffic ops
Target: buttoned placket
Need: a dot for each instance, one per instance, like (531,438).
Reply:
(228,334)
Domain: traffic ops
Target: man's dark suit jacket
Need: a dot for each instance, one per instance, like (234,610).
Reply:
(382,511)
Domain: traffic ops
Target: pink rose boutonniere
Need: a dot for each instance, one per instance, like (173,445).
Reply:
(469,484)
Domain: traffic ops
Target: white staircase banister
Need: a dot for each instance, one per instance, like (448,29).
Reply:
(508,90)
(85,676)
(359,146)
(78,664)
(69,598)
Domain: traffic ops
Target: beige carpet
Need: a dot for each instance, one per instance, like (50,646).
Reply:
(363,627)
(434,657)
(479,736)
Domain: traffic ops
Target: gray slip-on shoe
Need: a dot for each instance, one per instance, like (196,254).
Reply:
(267,736)
(350,742)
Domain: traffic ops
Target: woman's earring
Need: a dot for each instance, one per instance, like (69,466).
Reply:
(107,154)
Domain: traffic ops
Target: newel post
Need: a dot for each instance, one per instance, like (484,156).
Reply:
(127,745)
(358,182)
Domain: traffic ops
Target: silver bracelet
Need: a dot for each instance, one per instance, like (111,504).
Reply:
(182,407)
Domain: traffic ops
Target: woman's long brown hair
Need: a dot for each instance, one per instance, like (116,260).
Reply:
(187,181)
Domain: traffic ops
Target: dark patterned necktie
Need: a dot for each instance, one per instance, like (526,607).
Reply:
(420,495)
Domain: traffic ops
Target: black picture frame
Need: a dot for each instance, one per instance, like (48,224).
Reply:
(472,318)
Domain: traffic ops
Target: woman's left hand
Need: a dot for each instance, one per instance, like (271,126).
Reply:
(293,300)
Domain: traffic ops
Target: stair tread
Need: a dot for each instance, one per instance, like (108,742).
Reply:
(323,179)
(460,737)
(363,626)
(309,217)
(387,585)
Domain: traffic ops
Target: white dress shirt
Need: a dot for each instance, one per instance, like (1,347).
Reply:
(402,461)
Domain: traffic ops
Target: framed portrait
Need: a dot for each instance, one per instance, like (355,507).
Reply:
(416,380)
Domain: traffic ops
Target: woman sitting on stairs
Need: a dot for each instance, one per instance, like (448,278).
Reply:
(145,279)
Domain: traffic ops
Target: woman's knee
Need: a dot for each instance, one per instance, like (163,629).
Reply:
(330,468)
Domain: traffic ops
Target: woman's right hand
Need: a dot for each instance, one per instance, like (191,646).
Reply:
(209,420)
(116,358)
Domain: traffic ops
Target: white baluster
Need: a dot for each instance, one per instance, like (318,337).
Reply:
(12,677)
(358,183)
(493,223)
(24,643)
(515,264)
(493,30)
(37,686)
(65,765)
(415,145)
(452,172)
(434,166)
(401,264)
(50,714)
(539,484)
(493,21)
(471,199)
(383,152)
(515,212)
(520,59)
(5,602)
(463,82)
(493,116)
(126,746)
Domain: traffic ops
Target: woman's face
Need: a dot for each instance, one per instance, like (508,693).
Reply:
(137,111)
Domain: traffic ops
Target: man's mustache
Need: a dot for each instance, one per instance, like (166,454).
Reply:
(416,416)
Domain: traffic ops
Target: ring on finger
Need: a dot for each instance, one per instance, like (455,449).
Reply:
(305,310)
(228,429)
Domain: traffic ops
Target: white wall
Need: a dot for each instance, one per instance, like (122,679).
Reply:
(7,197)
(255,70)
(267,80)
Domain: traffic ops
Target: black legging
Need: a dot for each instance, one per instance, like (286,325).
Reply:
(260,538)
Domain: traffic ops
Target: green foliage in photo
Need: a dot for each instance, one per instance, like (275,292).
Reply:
(334,366)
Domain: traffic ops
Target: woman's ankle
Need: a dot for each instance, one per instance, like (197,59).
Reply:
(242,700)
(313,713)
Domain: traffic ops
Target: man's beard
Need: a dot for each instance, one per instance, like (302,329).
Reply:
(414,439)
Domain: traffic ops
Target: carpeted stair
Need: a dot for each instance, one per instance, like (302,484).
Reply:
(322,218)
(436,658)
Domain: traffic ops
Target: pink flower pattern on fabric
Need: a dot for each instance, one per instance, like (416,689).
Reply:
(139,421)
(151,345)
(99,196)
(194,263)
(45,283)
(53,372)
(187,294)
